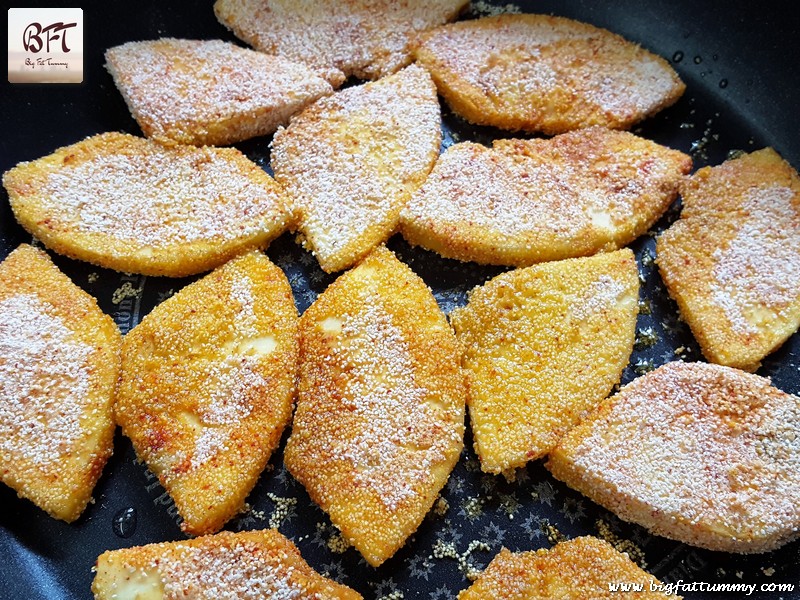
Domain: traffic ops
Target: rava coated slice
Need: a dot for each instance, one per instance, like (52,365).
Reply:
(732,261)
(136,206)
(206,387)
(527,201)
(351,161)
(59,363)
(545,73)
(700,453)
(225,566)
(542,346)
(379,423)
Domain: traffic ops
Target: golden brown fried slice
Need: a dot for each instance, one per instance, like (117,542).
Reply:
(59,361)
(206,387)
(368,39)
(351,161)
(541,346)
(700,453)
(380,412)
(209,92)
(577,569)
(528,201)
(732,261)
(133,205)
(545,73)
(248,564)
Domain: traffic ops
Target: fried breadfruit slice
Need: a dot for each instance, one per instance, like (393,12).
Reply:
(209,92)
(545,73)
(59,362)
(351,161)
(732,261)
(527,201)
(700,453)
(367,39)
(380,412)
(576,569)
(131,204)
(248,564)
(541,346)
(207,384)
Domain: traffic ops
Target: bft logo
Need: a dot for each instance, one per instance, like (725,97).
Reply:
(32,36)
(45,45)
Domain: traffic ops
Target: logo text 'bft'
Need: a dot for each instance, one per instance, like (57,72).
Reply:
(32,36)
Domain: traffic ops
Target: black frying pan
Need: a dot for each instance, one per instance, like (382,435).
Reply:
(738,60)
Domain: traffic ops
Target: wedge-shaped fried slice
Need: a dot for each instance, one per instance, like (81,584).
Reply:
(207,384)
(209,92)
(732,261)
(700,453)
(577,569)
(541,346)
(131,204)
(528,201)
(248,564)
(380,412)
(545,73)
(59,362)
(350,162)
(365,38)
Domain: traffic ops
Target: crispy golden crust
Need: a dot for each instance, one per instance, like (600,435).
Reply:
(59,361)
(367,39)
(577,569)
(351,161)
(130,204)
(207,384)
(528,201)
(732,261)
(545,73)
(380,412)
(700,453)
(209,92)
(541,346)
(225,566)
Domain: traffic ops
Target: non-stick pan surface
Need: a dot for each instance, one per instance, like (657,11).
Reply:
(738,60)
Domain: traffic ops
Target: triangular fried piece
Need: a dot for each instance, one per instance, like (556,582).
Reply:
(545,73)
(206,387)
(732,261)
(248,564)
(528,201)
(576,569)
(380,411)
(541,346)
(209,92)
(700,453)
(350,162)
(131,204)
(368,39)
(59,362)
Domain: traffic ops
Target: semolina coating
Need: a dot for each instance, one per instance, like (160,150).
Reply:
(523,202)
(350,162)
(350,38)
(576,569)
(700,453)
(209,92)
(207,385)
(541,346)
(542,73)
(732,261)
(248,565)
(136,206)
(379,423)
(59,363)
